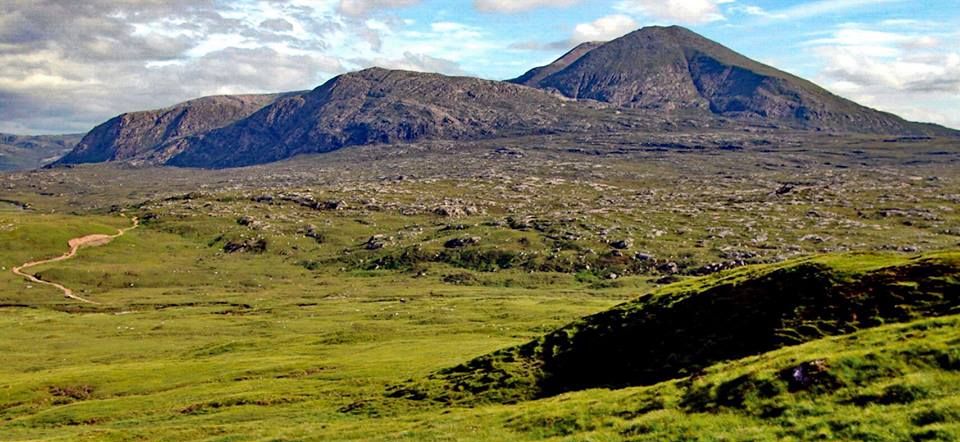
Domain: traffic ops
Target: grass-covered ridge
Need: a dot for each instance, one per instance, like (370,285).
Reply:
(894,382)
(680,330)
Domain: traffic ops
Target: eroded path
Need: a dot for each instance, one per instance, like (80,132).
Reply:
(75,245)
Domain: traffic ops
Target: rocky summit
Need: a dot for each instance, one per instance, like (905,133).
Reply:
(673,68)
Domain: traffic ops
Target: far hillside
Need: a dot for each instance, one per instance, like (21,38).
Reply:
(23,152)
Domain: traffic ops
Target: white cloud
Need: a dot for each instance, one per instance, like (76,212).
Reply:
(911,73)
(888,42)
(902,61)
(675,11)
(512,6)
(416,62)
(604,28)
(754,11)
(810,9)
(455,30)
(359,8)
(873,69)
(67,66)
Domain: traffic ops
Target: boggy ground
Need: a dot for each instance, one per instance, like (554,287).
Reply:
(285,301)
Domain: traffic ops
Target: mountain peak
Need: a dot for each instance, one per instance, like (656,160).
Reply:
(671,68)
(667,33)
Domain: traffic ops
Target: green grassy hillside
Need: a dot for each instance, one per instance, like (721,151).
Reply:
(896,382)
(681,329)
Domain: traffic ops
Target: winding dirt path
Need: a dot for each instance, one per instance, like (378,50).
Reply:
(75,245)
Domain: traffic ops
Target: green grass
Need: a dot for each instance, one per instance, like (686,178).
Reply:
(216,393)
(307,339)
(312,355)
(204,336)
(26,236)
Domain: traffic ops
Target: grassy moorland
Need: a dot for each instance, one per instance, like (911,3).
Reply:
(294,301)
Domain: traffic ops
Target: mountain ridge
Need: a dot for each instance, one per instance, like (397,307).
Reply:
(24,152)
(537,74)
(635,83)
(374,105)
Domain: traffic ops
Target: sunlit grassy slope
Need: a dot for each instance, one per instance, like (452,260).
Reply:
(194,344)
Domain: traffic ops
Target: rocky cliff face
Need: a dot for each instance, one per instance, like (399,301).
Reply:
(134,134)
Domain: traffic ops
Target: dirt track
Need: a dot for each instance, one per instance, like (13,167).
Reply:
(75,245)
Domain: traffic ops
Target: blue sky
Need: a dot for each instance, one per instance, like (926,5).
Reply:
(67,65)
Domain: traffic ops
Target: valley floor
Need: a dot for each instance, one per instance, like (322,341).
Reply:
(284,302)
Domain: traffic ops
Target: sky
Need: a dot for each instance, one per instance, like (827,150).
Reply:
(68,65)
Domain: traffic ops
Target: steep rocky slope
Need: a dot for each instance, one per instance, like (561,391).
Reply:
(21,152)
(672,68)
(134,134)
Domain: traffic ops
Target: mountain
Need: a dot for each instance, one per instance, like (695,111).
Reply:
(22,152)
(682,329)
(377,106)
(675,69)
(654,79)
(131,135)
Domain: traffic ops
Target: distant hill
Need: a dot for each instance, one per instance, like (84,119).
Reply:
(133,135)
(24,152)
(673,68)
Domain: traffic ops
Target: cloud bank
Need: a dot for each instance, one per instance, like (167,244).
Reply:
(66,65)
